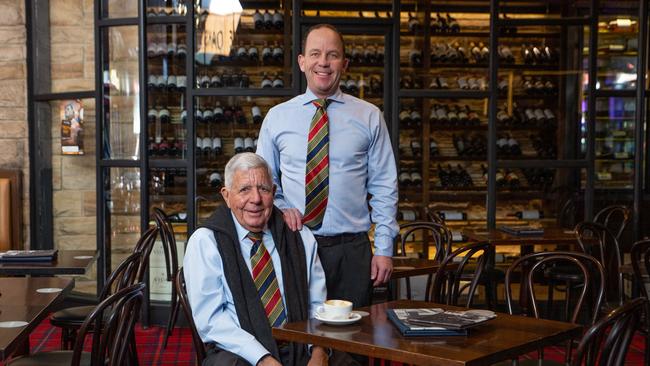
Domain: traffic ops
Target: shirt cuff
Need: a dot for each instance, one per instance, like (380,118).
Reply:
(383,245)
(253,353)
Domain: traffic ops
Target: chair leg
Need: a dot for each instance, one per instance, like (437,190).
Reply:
(549,299)
(567,301)
(408,288)
(172,319)
(133,351)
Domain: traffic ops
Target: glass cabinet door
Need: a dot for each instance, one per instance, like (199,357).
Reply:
(121,120)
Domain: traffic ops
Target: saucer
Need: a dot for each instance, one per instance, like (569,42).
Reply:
(354,317)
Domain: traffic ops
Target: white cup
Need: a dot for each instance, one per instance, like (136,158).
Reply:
(335,309)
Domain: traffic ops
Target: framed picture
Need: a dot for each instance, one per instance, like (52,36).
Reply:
(72,114)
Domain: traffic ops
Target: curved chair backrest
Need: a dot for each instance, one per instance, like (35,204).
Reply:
(199,347)
(615,218)
(144,246)
(640,255)
(592,273)
(607,342)
(168,240)
(432,216)
(115,316)
(446,284)
(566,216)
(439,235)
(126,274)
(595,239)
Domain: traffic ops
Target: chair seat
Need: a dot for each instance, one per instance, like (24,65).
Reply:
(54,358)
(73,316)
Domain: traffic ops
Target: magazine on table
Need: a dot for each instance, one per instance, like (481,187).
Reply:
(522,230)
(435,322)
(28,255)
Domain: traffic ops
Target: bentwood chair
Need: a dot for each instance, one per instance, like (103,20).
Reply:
(615,218)
(115,317)
(593,286)
(130,271)
(181,289)
(640,254)
(433,234)
(446,288)
(171,264)
(607,342)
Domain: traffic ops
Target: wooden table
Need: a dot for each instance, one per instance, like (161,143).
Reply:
(67,262)
(20,301)
(500,339)
(551,235)
(409,267)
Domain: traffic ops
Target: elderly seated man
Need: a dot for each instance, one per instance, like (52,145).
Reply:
(246,272)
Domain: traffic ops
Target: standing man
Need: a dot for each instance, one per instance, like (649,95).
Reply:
(247,272)
(329,152)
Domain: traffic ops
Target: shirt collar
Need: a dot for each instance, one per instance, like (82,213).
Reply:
(241,231)
(309,96)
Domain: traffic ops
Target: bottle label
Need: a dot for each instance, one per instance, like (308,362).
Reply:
(408,215)
(621,155)
(530,215)
(604,176)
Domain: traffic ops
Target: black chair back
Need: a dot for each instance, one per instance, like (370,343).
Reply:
(144,246)
(591,270)
(199,347)
(595,239)
(115,317)
(434,234)
(607,342)
(126,274)
(446,284)
(615,218)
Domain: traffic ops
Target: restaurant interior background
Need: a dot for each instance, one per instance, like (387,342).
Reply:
(488,128)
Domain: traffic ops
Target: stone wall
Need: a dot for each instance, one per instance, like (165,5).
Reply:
(13,98)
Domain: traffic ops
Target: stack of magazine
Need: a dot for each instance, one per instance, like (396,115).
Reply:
(437,322)
(522,230)
(28,255)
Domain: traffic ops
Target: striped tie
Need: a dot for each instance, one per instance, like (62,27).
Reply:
(317,172)
(266,282)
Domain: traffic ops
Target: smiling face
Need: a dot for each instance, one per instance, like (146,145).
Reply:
(323,61)
(250,197)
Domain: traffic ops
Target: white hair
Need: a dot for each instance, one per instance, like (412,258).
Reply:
(244,161)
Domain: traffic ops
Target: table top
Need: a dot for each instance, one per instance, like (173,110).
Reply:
(551,235)
(407,267)
(374,335)
(20,301)
(67,262)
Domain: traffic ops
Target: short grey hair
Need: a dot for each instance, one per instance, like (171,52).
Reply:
(244,161)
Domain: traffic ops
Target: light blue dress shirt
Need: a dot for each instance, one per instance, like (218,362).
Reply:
(213,308)
(361,163)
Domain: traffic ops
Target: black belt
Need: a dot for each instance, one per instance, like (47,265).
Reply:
(337,239)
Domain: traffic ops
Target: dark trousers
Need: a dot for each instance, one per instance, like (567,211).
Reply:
(219,357)
(346,262)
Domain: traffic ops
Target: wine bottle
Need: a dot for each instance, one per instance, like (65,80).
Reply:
(257,114)
(258,19)
(404,179)
(215,81)
(206,146)
(152,115)
(415,57)
(248,144)
(217,149)
(278,53)
(215,180)
(443,27)
(452,23)
(527,54)
(266,81)
(528,215)
(217,113)
(416,147)
(253,53)
(278,19)
(268,19)
(416,117)
(416,178)
(448,215)
(413,23)
(208,116)
(433,148)
(405,118)
(267,53)
(512,180)
(239,145)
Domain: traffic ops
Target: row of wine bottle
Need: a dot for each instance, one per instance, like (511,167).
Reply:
(454,177)
(238,79)
(441,114)
(438,24)
(372,54)
(218,114)
(271,52)
(409,178)
(479,53)
(414,149)
(450,215)
(268,20)
(211,147)
(526,116)
(353,86)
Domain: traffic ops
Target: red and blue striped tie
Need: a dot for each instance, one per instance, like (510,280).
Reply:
(317,171)
(266,282)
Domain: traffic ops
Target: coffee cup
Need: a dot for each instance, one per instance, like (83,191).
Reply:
(335,309)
